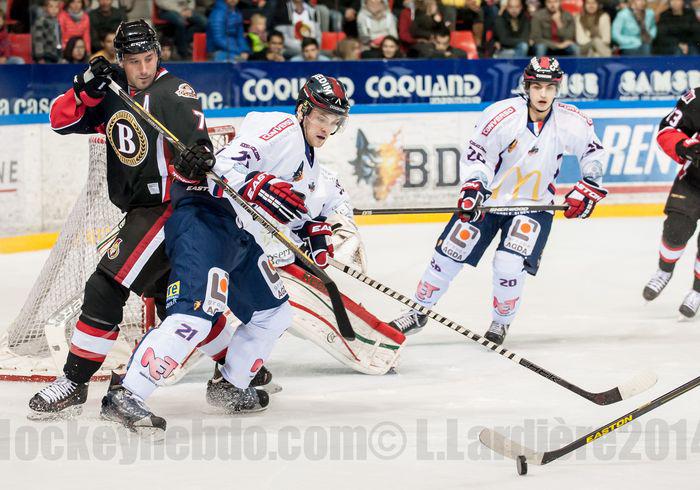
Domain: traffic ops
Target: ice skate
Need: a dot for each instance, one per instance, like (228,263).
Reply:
(222,394)
(410,322)
(656,284)
(122,406)
(497,332)
(61,399)
(690,304)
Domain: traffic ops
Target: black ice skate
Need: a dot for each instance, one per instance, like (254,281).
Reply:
(656,284)
(690,304)
(61,399)
(122,406)
(222,394)
(410,322)
(497,332)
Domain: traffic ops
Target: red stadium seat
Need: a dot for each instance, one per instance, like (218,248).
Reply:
(155,18)
(574,7)
(21,46)
(199,46)
(465,40)
(329,40)
(9,21)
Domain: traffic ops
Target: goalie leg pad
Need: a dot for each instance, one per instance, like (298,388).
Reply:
(508,282)
(162,350)
(252,343)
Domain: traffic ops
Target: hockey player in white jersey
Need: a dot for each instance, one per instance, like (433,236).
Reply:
(217,264)
(513,158)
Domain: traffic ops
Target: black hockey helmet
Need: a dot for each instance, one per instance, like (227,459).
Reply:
(324,93)
(545,69)
(135,36)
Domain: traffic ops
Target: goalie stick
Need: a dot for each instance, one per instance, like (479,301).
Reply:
(341,315)
(511,449)
(487,209)
(636,385)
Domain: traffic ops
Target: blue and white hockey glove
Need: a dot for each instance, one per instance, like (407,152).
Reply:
(317,240)
(473,195)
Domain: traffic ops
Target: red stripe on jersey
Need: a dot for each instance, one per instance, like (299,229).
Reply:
(86,354)
(65,111)
(96,332)
(667,140)
(215,331)
(145,241)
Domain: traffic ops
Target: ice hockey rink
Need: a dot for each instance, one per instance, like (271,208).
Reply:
(583,318)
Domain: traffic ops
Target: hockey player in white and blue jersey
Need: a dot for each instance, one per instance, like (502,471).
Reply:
(216,262)
(513,158)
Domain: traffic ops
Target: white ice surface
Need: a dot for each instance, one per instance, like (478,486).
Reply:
(583,318)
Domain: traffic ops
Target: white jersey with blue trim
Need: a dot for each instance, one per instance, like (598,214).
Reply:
(520,160)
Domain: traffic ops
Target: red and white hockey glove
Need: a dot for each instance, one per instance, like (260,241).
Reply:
(275,196)
(317,239)
(473,195)
(583,198)
(689,149)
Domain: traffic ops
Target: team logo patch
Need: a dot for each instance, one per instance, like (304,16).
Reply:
(127,138)
(277,129)
(505,308)
(217,291)
(460,241)
(173,293)
(298,173)
(533,150)
(197,305)
(185,90)
(113,251)
(497,120)
(272,278)
(522,235)
(513,144)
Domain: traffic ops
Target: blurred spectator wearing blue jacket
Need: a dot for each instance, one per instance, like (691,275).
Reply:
(634,29)
(225,33)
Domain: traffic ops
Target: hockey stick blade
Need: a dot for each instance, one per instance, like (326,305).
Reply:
(511,449)
(341,316)
(614,395)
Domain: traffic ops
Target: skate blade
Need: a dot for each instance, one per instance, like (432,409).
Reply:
(270,388)
(66,414)
(245,412)
(154,435)
(685,319)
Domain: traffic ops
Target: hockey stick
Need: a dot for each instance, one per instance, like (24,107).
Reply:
(487,209)
(511,449)
(636,385)
(341,315)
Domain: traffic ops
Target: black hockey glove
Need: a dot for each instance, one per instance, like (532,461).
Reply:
(317,235)
(689,149)
(191,166)
(91,85)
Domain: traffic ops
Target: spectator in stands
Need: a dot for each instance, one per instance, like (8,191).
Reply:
(296,19)
(274,49)
(74,21)
(441,45)
(104,18)
(167,49)
(348,49)
(6,56)
(389,49)
(511,31)
(329,17)
(257,33)
(137,9)
(696,6)
(75,51)
(593,30)
(553,31)
(108,51)
(374,22)
(634,29)
(46,35)
(426,21)
(226,34)
(406,16)
(310,51)
(678,31)
(182,16)
(464,15)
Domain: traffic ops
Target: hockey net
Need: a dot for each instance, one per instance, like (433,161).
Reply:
(36,343)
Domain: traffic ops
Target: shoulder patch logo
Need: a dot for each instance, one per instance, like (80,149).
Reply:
(277,129)
(689,96)
(113,251)
(186,90)
(491,125)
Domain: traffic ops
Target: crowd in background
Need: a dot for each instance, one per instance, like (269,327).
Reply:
(73,31)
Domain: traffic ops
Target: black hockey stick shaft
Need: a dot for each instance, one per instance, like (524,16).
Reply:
(341,315)
(604,398)
(594,435)
(487,209)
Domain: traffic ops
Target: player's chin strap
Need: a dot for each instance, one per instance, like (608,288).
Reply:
(341,315)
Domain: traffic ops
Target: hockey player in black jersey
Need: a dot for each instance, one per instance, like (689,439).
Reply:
(679,136)
(139,170)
